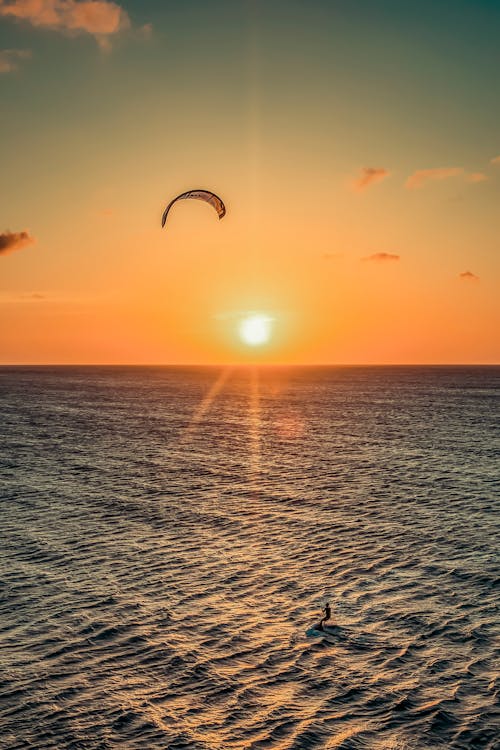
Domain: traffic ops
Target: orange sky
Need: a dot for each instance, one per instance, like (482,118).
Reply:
(360,187)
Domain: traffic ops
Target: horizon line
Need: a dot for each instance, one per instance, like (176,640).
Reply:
(250,364)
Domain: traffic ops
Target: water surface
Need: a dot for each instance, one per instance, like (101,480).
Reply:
(169,535)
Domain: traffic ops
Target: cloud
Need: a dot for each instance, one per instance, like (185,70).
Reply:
(496,160)
(24,297)
(468,276)
(97,17)
(9,59)
(145,31)
(332,256)
(421,176)
(381,257)
(476,177)
(10,241)
(106,213)
(369,176)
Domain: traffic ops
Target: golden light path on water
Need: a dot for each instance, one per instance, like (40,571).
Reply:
(254,330)
(254,418)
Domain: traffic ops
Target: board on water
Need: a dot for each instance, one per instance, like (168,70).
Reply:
(316,631)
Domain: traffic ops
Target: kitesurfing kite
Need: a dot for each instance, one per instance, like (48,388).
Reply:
(201,195)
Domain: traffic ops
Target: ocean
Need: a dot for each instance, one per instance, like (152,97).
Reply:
(169,537)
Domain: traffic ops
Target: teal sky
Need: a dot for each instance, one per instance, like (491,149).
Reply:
(425,73)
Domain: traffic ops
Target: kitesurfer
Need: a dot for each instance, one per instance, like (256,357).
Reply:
(328,613)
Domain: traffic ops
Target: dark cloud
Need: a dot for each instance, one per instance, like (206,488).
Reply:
(369,176)
(381,257)
(10,241)
(468,276)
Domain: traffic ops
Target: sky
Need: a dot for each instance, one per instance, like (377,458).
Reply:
(355,144)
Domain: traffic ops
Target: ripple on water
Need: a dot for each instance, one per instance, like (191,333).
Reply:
(156,592)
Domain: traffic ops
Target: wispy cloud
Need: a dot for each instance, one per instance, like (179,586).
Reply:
(332,256)
(476,177)
(10,241)
(10,59)
(370,176)
(422,176)
(97,17)
(496,160)
(16,298)
(468,276)
(381,257)
(62,299)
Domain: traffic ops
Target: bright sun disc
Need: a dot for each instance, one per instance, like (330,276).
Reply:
(255,330)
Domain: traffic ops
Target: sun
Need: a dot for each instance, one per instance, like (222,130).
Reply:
(255,329)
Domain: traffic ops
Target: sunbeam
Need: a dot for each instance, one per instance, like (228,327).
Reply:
(205,405)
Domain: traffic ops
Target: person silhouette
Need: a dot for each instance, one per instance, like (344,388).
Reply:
(328,613)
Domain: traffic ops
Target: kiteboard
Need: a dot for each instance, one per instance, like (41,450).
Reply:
(314,632)
(317,631)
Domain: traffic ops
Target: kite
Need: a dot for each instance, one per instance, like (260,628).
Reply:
(201,195)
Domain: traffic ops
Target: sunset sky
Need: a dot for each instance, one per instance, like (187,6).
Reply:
(356,145)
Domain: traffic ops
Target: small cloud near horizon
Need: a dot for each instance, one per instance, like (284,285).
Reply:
(422,176)
(496,160)
(468,276)
(36,295)
(13,297)
(100,18)
(370,176)
(381,257)
(332,256)
(10,241)
(10,59)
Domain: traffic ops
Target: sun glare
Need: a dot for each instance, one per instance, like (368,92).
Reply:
(255,330)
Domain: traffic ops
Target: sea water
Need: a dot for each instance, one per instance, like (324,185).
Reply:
(169,537)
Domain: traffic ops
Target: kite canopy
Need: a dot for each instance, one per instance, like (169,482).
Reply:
(201,195)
